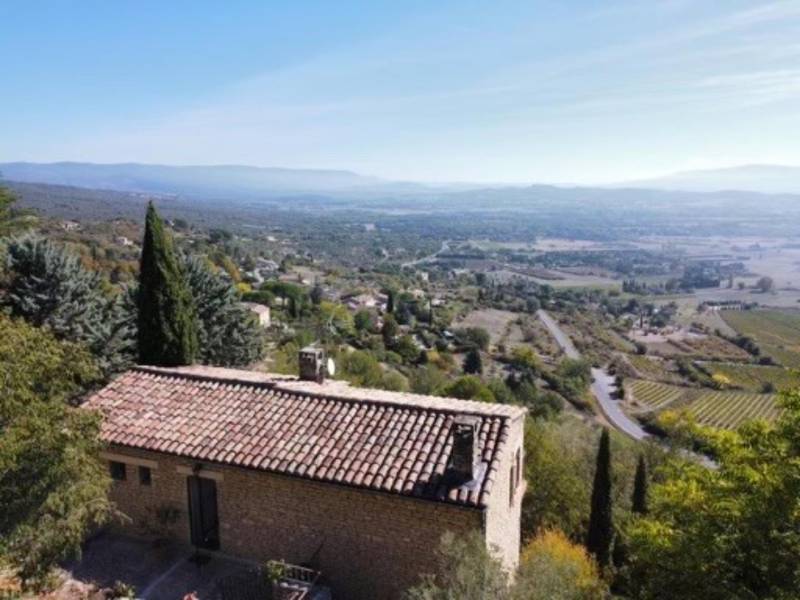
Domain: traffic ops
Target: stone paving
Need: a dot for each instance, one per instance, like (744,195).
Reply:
(161,571)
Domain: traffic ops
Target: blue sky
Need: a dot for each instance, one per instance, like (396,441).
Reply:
(526,91)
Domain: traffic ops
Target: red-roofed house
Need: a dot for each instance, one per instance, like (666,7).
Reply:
(358,484)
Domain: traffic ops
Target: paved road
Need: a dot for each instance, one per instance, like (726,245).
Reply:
(561,338)
(602,387)
(425,259)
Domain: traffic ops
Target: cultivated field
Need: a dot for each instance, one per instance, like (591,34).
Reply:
(528,330)
(491,319)
(556,278)
(687,315)
(722,409)
(753,378)
(699,347)
(776,333)
(592,337)
(728,410)
(653,368)
(653,396)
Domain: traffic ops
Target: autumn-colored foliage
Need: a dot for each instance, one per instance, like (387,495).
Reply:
(553,567)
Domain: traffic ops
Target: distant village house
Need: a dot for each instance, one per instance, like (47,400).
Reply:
(261,311)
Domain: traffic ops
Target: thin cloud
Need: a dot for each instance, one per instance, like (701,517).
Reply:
(374,103)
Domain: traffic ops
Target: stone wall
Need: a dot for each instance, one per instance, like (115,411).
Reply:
(505,502)
(367,544)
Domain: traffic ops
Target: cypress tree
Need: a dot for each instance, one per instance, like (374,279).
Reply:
(601,526)
(639,504)
(389,330)
(473,363)
(167,320)
(316,294)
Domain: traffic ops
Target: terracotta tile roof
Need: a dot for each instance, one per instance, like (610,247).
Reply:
(390,442)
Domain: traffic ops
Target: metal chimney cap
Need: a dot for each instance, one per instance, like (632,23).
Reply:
(466,421)
(315,350)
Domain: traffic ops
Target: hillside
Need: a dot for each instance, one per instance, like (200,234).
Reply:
(510,213)
(192,179)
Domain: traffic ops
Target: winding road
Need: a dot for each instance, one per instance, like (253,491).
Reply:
(426,259)
(603,386)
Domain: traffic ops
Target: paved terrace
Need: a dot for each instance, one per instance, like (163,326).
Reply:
(170,571)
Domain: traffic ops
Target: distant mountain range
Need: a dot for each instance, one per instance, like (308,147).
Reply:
(212,180)
(237,181)
(767,179)
(252,197)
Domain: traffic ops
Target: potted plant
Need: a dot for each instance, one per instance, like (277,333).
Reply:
(275,573)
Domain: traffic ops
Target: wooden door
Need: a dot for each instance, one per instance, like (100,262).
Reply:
(203,515)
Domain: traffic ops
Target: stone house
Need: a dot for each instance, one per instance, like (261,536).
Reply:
(260,311)
(358,484)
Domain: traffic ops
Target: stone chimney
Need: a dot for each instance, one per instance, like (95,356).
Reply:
(312,364)
(465,458)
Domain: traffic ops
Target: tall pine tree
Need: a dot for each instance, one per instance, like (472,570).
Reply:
(601,526)
(11,219)
(228,333)
(167,320)
(639,504)
(7,200)
(48,287)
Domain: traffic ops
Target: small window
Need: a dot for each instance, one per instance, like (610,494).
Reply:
(519,464)
(117,470)
(144,476)
(512,485)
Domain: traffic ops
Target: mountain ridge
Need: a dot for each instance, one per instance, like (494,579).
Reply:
(187,179)
(755,177)
(255,181)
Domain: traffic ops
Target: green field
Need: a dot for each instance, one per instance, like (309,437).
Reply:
(655,396)
(725,410)
(776,333)
(728,410)
(752,378)
(647,366)
(652,368)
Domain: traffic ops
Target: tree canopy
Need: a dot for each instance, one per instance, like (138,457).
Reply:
(731,532)
(464,570)
(48,287)
(554,568)
(468,387)
(7,200)
(551,568)
(11,219)
(52,484)
(228,334)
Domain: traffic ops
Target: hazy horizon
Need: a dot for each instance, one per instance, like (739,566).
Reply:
(649,182)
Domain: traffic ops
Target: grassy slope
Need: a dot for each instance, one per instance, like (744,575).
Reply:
(777,333)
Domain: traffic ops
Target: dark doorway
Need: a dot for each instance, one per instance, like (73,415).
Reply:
(203,512)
